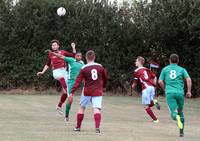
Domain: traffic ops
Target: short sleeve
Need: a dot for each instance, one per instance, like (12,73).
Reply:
(151,74)
(185,73)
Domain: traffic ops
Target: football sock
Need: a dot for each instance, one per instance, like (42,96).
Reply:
(178,119)
(150,113)
(182,118)
(63,97)
(79,120)
(151,104)
(68,106)
(97,118)
(63,83)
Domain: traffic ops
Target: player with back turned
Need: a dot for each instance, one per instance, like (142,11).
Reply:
(94,77)
(171,81)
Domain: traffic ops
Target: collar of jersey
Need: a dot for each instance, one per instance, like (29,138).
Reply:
(139,68)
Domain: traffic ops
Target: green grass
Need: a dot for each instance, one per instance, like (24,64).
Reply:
(33,118)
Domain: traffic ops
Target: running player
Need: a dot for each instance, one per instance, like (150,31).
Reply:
(171,81)
(74,66)
(58,66)
(94,77)
(147,79)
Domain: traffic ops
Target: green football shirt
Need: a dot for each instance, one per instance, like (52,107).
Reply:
(74,67)
(173,77)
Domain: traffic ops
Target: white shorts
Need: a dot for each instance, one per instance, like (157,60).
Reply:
(148,95)
(60,72)
(94,100)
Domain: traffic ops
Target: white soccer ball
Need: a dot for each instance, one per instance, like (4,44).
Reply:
(61,11)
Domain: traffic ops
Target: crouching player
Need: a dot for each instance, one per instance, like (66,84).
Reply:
(94,77)
(148,80)
(171,81)
(58,66)
(74,67)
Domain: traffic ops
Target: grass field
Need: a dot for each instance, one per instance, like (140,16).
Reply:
(33,118)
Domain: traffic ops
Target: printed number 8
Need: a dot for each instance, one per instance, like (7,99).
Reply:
(94,74)
(172,74)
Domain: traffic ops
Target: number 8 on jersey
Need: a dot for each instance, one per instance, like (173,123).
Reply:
(94,74)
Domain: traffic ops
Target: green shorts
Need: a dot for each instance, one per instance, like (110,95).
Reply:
(70,84)
(175,101)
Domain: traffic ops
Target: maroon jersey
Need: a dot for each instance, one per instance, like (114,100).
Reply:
(94,76)
(145,76)
(56,62)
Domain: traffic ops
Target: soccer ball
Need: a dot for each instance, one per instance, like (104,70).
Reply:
(61,11)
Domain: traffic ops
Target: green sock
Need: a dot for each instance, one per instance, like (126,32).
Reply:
(182,118)
(68,106)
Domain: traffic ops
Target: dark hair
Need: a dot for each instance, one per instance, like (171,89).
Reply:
(141,59)
(174,58)
(55,41)
(90,55)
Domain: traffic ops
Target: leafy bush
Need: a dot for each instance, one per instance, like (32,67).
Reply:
(117,35)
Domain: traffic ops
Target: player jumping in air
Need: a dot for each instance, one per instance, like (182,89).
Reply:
(147,79)
(171,81)
(74,66)
(58,66)
(94,77)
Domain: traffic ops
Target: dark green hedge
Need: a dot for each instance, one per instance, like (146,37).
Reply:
(153,30)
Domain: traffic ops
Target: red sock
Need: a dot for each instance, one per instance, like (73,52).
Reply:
(151,104)
(63,83)
(97,118)
(79,120)
(63,97)
(151,114)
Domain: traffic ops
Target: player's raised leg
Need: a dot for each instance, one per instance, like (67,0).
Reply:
(63,97)
(61,75)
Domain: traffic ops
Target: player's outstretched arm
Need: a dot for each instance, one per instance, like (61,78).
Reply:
(43,71)
(189,87)
(77,83)
(56,54)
